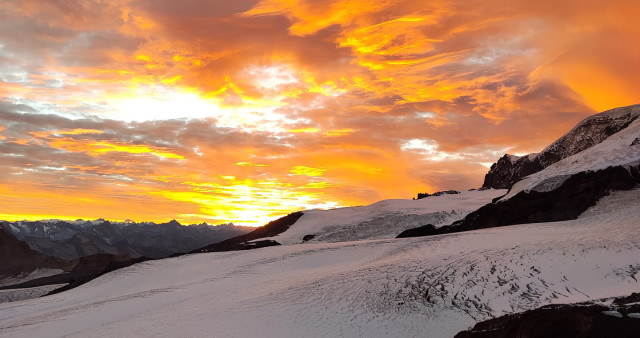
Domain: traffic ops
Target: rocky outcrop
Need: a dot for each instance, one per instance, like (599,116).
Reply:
(509,169)
(568,201)
(424,230)
(576,320)
(422,195)
(591,131)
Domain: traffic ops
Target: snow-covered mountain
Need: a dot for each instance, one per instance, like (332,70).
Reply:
(574,236)
(433,286)
(72,240)
(617,150)
(568,187)
(593,130)
(384,219)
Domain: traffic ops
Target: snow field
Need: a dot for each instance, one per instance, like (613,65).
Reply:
(433,286)
(385,219)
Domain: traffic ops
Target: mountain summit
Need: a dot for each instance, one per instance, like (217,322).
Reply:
(591,131)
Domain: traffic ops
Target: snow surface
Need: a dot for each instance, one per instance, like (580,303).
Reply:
(385,219)
(35,274)
(616,150)
(413,287)
(12,295)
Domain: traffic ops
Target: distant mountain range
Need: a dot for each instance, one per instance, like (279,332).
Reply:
(53,252)
(72,240)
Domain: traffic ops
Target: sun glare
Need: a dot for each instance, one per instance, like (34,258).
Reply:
(161,103)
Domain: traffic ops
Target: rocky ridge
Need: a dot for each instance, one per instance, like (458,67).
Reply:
(591,131)
(569,186)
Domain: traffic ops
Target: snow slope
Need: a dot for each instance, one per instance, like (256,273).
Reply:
(385,219)
(35,274)
(616,150)
(429,286)
(12,295)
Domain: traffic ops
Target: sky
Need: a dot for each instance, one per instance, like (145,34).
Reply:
(243,111)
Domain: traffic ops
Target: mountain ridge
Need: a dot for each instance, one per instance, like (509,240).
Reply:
(568,186)
(73,240)
(587,133)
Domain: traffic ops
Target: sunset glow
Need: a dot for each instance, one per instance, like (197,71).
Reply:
(244,111)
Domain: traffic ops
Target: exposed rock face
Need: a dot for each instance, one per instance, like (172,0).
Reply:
(577,320)
(591,131)
(509,169)
(568,201)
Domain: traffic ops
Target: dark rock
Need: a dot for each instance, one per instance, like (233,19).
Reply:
(308,237)
(424,230)
(635,142)
(576,320)
(508,170)
(438,193)
(589,132)
(568,201)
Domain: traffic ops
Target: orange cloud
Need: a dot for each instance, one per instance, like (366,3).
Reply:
(307,171)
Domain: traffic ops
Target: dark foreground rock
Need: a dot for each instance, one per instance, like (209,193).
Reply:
(424,230)
(578,320)
(573,197)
